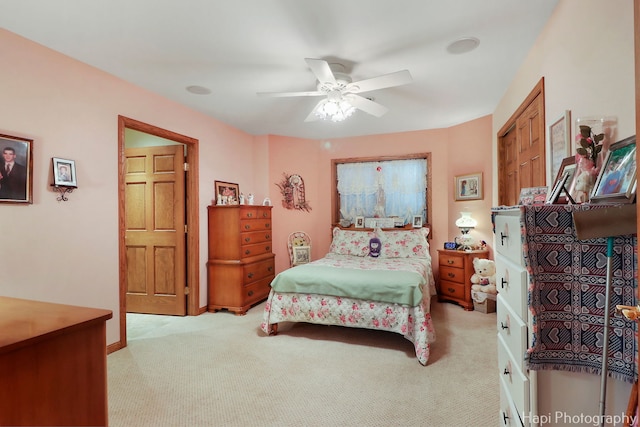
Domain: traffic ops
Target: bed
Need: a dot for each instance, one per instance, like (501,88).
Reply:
(348,287)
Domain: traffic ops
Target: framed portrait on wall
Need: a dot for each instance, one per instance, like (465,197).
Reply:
(16,169)
(468,187)
(64,172)
(560,141)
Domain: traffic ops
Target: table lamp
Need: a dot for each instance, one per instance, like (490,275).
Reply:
(465,223)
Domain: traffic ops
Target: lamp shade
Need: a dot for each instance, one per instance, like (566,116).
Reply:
(466,221)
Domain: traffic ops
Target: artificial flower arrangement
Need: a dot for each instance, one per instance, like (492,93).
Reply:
(587,152)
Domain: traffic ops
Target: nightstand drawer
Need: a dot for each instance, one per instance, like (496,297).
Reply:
(451,261)
(451,289)
(452,274)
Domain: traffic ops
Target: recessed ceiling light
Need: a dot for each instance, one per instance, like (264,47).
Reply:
(199,90)
(463,45)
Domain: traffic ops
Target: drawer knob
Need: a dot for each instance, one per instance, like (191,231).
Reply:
(504,325)
(250,275)
(506,371)
(247,239)
(267,225)
(450,261)
(451,275)
(503,282)
(451,290)
(247,227)
(502,237)
(505,417)
(247,252)
(265,214)
(250,293)
(249,215)
(268,236)
(270,269)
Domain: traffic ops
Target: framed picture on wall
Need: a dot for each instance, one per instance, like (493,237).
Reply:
(468,187)
(16,169)
(560,141)
(64,172)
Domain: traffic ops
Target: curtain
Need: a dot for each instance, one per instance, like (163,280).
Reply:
(383,189)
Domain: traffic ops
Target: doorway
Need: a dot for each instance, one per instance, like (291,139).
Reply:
(188,204)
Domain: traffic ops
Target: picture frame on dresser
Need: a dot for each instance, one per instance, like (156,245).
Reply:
(567,193)
(617,180)
(227,193)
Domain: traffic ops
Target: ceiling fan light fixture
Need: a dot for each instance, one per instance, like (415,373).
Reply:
(335,110)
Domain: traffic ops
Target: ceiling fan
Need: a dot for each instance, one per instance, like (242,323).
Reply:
(341,93)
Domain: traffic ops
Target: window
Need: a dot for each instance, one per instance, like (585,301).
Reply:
(382,187)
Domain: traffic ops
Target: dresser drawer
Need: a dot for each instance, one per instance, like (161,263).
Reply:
(512,283)
(255,224)
(452,274)
(254,213)
(513,330)
(451,260)
(509,237)
(516,383)
(254,250)
(508,412)
(255,237)
(257,291)
(451,289)
(258,270)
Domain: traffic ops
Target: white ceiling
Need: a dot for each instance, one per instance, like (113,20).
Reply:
(237,48)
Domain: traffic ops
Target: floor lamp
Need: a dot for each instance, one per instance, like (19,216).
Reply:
(606,222)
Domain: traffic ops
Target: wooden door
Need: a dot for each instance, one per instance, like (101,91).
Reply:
(530,140)
(155,230)
(521,149)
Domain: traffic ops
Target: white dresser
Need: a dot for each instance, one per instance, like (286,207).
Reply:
(516,386)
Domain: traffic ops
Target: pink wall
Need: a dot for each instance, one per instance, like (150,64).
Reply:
(460,149)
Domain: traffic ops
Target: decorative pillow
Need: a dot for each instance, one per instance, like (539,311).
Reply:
(404,243)
(347,242)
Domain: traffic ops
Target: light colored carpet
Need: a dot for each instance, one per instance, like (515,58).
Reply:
(221,370)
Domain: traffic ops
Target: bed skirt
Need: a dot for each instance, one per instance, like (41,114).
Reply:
(414,323)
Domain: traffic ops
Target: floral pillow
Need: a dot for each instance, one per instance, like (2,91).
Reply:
(404,243)
(347,242)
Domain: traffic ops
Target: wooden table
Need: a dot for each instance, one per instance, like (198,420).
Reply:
(53,364)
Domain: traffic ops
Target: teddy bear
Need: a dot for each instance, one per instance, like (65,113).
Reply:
(484,278)
(583,185)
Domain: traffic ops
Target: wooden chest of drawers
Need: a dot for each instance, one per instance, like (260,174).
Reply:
(241,260)
(456,269)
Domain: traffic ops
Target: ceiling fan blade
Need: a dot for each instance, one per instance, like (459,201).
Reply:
(398,78)
(367,105)
(286,94)
(321,70)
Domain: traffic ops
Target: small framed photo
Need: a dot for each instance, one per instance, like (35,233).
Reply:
(227,193)
(417,221)
(359,222)
(16,169)
(301,254)
(568,166)
(64,173)
(557,188)
(468,187)
(560,141)
(616,182)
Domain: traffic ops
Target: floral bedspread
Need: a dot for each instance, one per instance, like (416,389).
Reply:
(414,323)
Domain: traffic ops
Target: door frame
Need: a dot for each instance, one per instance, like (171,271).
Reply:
(191,218)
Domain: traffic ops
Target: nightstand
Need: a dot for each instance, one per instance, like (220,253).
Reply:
(456,269)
